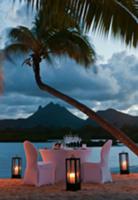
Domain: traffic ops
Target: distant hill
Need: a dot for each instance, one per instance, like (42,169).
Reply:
(116,118)
(52,115)
(56,116)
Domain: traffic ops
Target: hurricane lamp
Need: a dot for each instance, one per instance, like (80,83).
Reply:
(16,167)
(124,163)
(73,174)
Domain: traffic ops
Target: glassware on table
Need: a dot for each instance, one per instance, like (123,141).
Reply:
(84,146)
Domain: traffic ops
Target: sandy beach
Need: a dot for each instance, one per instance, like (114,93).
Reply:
(123,187)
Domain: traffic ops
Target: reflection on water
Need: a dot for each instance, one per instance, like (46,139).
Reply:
(8,150)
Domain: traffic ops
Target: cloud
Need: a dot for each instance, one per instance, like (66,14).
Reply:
(11,16)
(114,85)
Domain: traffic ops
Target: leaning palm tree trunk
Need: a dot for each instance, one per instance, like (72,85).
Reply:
(118,134)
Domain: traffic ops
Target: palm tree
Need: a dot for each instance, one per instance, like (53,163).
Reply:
(42,48)
(75,46)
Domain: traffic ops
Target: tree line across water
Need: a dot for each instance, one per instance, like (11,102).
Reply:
(43,134)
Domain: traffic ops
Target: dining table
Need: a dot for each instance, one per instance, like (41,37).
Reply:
(58,157)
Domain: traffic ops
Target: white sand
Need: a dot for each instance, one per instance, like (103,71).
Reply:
(123,187)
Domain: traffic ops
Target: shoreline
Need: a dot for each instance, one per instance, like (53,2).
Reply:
(93,144)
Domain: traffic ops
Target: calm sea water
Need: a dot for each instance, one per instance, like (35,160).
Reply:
(8,150)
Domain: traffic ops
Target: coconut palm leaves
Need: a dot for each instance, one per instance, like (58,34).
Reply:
(109,15)
(120,17)
(59,42)
(73,44)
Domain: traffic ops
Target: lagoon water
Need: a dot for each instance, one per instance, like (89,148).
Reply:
(8,150)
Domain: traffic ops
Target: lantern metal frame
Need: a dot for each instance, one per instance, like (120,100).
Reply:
(73,166)
(16,161)
(124,157)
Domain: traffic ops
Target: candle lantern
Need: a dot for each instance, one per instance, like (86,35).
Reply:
(16,167)
(73,176)
(124,163)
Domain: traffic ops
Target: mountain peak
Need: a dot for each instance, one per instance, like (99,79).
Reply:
(55,115)
(50,106)
(53,105)
(111,110)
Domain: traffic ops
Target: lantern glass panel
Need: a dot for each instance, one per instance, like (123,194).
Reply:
(16,167)
(73,179)
(124,163)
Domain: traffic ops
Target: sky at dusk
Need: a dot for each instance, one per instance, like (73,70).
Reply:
(110,83)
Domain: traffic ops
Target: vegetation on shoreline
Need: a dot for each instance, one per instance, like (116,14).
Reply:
(42,134)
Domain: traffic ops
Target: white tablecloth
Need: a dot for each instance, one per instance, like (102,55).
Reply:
(58,158)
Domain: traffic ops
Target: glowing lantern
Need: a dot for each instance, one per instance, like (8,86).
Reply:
(73,176)
(16,167)
(124,163)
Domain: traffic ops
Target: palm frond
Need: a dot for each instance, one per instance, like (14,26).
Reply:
(17,47)
(13,48)
(110,16)
(105,15)
(34,3)
(73,44)
(57,19)
(132,6)
(47,57)
(23,35)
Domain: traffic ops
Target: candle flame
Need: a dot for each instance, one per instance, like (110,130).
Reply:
(72,177)
(124,165)
(16,170)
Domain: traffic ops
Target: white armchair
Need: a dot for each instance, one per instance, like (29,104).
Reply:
(37,173)
(98,172)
